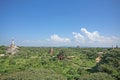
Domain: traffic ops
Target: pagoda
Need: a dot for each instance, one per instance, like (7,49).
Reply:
(12,49)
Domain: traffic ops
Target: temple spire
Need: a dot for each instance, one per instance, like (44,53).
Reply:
(13,43)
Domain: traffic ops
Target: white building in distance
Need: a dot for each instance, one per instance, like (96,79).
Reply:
(12,48)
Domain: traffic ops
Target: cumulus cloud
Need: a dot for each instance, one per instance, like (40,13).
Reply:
(96,37)
(82,38)
(91,36)
(86,38)
(57,38)
(78,37)
(54,40)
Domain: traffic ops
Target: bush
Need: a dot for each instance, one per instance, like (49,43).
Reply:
(110,63)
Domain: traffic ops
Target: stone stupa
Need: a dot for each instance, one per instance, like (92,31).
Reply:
(12,49)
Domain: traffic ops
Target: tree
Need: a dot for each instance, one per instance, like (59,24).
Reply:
(110,63)
(61,55)
(3,49)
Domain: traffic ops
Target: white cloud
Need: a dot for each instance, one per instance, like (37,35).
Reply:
(54,40)
(57,38)
(96,37)
(86,38)
(78,37)
(82,38)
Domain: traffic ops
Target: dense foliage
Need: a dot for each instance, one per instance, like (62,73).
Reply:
(110,63)
(34,63)
(2,49)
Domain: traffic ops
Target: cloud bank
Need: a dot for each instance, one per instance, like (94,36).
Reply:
(82,38)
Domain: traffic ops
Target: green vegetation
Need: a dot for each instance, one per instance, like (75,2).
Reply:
(2,49)
(110,64)
(35,63)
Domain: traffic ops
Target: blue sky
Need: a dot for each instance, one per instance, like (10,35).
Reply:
(60,22)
